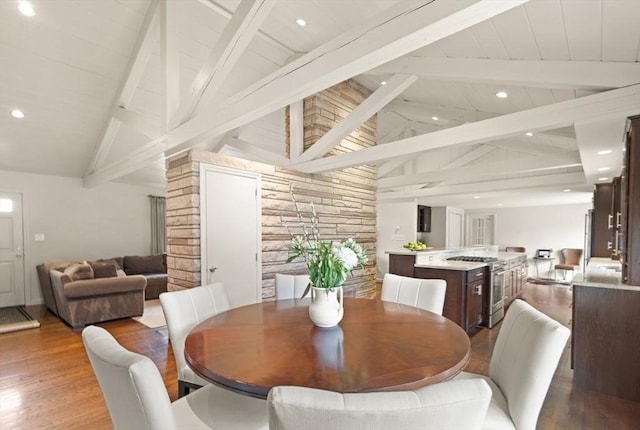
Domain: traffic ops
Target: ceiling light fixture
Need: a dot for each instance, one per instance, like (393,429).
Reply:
(502,94)
(435,118)
(603,179)
(476,197)
(17,113)
(602,169)
(605,152)
(301,22)
(26,9)
(566,191)
(383,83)
(528,133)
(499,204)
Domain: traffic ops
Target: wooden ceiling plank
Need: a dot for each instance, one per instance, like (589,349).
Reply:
(170,57)
(141,54)
(365,110)
(224,56)
(538,74)
(521,165)
(391,34)
(575,178)
(622,101)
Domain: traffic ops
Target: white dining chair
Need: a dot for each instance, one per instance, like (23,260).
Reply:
(427,294)
(459,405)
(137,398)
(183,310)
(290,286)
(524,359)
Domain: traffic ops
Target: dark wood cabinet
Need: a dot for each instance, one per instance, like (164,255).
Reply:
(402,264)
(615,230)
(629,239)
(465,290)
(602,221)
(424,219)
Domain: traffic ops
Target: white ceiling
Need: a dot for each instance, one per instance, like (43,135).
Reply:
(571,69)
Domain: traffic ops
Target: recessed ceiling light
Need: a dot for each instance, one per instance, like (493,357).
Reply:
(17,113)
(383,83)
(602,169)
(502,94)
(476,197)
(435,118)
(301,22)
(26,9)
(499,204)
(605,152)
(566,191)
(603,179)
(528,133)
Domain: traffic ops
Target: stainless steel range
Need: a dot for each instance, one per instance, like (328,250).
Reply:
(494,304)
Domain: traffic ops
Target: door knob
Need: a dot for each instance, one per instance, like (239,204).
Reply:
(212,269)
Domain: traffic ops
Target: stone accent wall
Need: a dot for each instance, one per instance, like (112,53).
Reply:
(345,200)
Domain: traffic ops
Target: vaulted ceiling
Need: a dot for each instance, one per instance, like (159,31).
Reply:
(109,88)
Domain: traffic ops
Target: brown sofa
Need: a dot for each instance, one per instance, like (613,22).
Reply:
(109,292)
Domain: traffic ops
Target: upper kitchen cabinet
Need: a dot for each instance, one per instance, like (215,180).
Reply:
(601,244)
(630,205)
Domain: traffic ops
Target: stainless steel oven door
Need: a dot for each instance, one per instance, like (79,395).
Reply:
(497,291)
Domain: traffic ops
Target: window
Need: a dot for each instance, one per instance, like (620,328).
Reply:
(481,229)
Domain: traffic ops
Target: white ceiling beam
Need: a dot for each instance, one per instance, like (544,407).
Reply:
(416,110)
(141,53)
(256,153)
(233,42)
(401,29)
(469,157)
(392,134)
(296,129)
(562,179)
(170,57)
(521,165)
(137,121)
(227,14)
(619,102)
(365,110)
(529,73)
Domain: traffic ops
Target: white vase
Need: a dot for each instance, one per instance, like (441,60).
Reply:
(326,309)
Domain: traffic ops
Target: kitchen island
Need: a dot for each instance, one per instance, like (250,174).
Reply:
(605,331)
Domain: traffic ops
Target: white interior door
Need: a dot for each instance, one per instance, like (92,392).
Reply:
(11,251)
(454,230)
(231,232)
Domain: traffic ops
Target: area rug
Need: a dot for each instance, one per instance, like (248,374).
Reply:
(152,317)
(16,318)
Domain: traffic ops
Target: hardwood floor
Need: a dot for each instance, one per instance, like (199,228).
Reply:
(46,381)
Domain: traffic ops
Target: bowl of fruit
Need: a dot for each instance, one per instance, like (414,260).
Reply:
(415,246)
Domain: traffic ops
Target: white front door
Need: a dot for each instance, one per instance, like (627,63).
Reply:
(231,232)
(11,251)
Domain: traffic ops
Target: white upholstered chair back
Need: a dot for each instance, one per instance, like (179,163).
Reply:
(460,405)
(185,309)
(524,360)
(427,294)
(131,383)
(290,286)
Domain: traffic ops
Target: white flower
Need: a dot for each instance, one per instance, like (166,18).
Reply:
(346,256)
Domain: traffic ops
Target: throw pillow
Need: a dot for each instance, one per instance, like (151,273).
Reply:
(103,269)
(79,271)
(121,273)
(110,260)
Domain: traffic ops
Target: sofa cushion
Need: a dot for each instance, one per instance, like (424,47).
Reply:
(79,271)
(104,286)
(115,260)
(140,265)
(103,269)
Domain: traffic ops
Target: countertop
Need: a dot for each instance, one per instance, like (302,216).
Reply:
(453,265)
(602,273)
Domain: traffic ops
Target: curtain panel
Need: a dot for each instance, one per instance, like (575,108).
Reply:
(158,225)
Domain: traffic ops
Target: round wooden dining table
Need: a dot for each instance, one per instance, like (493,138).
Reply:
(378,346)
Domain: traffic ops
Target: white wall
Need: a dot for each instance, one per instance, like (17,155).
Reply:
(396,225)
(540,227)
(78,223)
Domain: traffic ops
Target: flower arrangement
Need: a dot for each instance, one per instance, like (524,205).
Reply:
(328,262)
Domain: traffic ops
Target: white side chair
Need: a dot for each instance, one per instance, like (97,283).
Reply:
(290,286)
(183,310)
(444,406)
(137,398)
(427,294)
(522,365)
